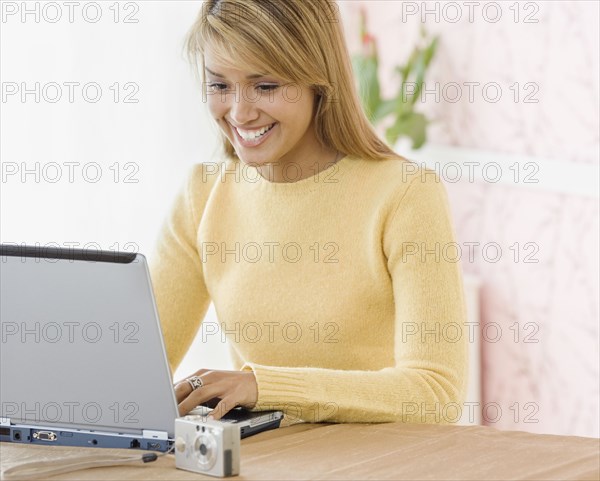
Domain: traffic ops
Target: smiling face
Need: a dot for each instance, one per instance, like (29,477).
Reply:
(267,120)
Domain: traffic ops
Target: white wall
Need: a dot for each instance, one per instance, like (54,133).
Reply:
(161,135)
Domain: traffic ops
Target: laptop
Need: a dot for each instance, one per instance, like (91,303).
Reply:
(82,358)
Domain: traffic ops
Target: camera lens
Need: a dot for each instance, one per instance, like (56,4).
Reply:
(206,448)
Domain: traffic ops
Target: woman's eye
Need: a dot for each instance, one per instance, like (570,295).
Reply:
(221,87)
(217,86)
(267,88)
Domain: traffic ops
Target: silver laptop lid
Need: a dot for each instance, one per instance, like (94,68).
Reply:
(81,343)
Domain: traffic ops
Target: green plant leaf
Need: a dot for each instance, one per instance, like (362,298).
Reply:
(420,69)
(408,68)
(413,125)
(430,51)
(385,108)
(406,121)
(366,70)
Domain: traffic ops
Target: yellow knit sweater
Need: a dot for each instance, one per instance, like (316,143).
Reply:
(340,291)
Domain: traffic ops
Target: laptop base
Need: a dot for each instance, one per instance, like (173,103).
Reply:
(53,436)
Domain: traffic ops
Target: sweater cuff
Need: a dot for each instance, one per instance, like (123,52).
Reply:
(279,387)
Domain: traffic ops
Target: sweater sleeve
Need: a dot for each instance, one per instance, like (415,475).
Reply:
(428,381)
(176,271)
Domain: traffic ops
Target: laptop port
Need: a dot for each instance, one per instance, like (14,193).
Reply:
(134,444)
(17,435)
(44,435)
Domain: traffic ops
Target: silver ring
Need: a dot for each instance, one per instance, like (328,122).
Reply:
(195,382)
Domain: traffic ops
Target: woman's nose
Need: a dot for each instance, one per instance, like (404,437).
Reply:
(243,108)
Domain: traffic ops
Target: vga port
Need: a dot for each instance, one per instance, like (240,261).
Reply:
(44,435)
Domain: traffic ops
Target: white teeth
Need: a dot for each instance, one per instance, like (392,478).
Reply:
(253,134)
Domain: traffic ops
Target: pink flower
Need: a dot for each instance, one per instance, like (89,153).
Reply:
(368,41)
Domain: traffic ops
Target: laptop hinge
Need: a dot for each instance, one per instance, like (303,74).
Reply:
(147,433)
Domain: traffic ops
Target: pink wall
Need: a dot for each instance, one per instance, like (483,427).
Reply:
(555,381)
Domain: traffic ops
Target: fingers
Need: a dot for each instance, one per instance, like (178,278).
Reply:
(199,396)
(224,390)
(182,390)
(183,387)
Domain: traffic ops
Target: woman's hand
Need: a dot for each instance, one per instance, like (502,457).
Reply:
(233,388)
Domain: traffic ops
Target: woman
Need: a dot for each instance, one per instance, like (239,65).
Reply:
(322,250)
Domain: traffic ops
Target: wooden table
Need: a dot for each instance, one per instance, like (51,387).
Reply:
(362,451)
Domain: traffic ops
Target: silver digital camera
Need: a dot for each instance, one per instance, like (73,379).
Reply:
(206,446)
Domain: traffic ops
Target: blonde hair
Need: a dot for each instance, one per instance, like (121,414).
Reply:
(298,41)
